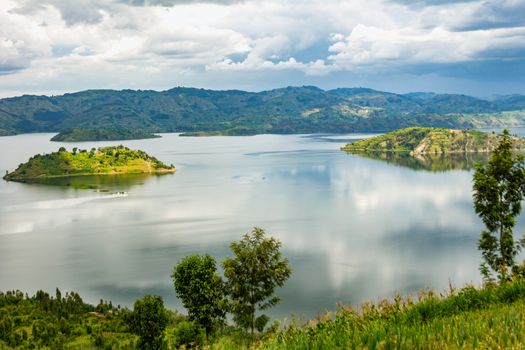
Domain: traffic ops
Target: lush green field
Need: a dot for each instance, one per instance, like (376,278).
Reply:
(79,134)
(434,141)
(105,160)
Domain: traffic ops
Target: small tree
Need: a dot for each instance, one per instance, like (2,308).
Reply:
(148,321)
(201,290)
(498,191)
(253,273)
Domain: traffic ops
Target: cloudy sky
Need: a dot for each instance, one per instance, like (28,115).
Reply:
(57,46)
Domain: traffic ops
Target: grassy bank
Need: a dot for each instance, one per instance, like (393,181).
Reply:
(489,318)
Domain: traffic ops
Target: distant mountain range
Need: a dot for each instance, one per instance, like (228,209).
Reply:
(304,109)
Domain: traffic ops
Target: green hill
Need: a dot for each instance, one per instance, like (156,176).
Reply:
(420,140)
(305,109)
(103,161)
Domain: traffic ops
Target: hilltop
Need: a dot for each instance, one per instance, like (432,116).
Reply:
(421,140)
(305,109)
(102,161)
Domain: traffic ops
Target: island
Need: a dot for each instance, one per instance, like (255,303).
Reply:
(112,160)
(417,141)
(111,134)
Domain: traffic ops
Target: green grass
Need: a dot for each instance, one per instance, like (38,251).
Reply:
(105,160)
(488,318)
(492,317)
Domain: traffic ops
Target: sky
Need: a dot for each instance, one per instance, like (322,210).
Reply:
(56,46)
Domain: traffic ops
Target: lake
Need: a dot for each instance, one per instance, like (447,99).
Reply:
(354,228)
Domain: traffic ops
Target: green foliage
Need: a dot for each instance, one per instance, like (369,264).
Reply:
(499,188)
(304,109)
(148,321)
(186,333)
(105,160)
(201,290)
(252,274)
(63,321)
(430,141)
(106,134)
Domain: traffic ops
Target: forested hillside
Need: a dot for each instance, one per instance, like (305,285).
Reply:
(287,110)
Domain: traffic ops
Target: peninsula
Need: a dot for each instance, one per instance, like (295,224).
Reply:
(111,134)
(432,141)
(102,161)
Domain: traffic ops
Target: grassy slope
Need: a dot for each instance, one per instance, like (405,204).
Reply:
(106,160)
(420,140)
(488,318)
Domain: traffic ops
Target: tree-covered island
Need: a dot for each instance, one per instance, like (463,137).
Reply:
(102,161)
(421,140)
(106,134)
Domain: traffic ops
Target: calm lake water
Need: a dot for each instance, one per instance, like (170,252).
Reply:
(354,228)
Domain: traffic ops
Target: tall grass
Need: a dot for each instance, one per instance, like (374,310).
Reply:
(489,318)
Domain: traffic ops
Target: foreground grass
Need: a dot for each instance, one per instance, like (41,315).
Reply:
(490,318)
(499,327)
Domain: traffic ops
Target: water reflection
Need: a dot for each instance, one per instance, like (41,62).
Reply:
(427,162)
(353,228)
(100,183)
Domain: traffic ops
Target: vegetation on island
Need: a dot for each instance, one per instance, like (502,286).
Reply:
(490,317)
(305,109)
(432,141)
(102,161)
(81,134)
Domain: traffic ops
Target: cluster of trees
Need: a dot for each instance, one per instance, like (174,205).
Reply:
(45,321)
(251,276)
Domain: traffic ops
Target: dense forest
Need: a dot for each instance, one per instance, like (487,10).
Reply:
(287,110)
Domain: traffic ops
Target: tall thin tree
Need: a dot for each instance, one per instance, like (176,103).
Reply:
(499,188)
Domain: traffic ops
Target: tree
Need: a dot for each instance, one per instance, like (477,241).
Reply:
(253,273)
(148,321)
(201,290)
(499,189)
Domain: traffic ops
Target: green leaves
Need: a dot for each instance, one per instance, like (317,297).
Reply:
(252,274)
(499,188)
(200,290)
(148,320)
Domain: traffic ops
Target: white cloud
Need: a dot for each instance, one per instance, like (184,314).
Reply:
(114,44)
